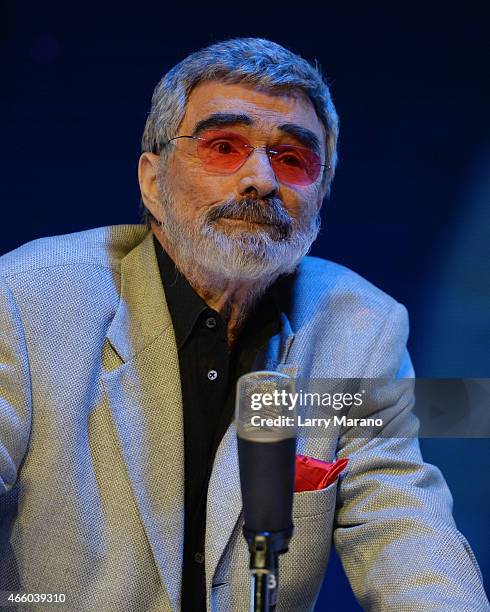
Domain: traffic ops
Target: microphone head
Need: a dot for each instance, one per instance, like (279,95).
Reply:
(266,453)
(264,410)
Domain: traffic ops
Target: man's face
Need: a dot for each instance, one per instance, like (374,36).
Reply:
(247,223)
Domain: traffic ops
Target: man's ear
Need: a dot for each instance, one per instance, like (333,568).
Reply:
(147,177)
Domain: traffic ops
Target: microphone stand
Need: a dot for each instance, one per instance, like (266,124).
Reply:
(265,547)
(266,460)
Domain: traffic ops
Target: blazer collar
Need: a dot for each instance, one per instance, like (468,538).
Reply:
(142,314)
(141,379)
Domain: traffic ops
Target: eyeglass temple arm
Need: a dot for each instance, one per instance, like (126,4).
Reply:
(159,146)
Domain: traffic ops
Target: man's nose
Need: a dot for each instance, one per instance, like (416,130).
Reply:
(257,175)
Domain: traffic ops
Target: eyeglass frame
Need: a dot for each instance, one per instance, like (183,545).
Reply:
(266,149)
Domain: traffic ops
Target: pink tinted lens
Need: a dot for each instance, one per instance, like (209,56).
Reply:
(221,151)
(295,165)
(225,152)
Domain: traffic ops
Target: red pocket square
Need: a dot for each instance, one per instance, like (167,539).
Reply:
(313,474)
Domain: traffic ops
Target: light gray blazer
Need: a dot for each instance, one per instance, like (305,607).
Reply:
(91,444)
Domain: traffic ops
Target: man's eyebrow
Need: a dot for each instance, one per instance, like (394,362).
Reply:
(304,135)
(217,120)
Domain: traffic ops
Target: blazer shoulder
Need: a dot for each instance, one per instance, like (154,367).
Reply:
(321,287)
(323,276)
(101,247)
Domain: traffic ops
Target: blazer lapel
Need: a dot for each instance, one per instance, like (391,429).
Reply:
(142,381)
(224,502)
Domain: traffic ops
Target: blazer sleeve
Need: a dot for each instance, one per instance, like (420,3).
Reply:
(394,529)
(15,390)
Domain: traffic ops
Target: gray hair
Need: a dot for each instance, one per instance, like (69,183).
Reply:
(253,61)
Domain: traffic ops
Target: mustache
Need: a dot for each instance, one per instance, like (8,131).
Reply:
(268,211)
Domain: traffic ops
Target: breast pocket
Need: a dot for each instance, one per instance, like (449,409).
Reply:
(313,515)
(313,503)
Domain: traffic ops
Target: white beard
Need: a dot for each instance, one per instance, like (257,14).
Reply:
(237,253)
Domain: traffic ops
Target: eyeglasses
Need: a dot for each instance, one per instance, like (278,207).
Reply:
(224,152)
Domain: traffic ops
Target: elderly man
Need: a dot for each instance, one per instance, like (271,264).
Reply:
(120,349)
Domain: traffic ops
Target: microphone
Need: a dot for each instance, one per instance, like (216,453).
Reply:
(266,455)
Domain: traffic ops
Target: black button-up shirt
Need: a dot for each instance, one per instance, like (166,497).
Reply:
(208,374)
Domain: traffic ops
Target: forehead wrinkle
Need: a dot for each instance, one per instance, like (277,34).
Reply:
(261,119)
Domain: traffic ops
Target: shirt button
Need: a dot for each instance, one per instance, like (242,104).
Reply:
(199,557)
(210,322)
(212,375)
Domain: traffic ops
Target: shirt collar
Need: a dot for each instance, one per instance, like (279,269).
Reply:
(186,306)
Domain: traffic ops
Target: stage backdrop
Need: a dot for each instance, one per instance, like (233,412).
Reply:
(409,208)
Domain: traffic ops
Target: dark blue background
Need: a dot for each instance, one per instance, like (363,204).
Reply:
(410,203)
